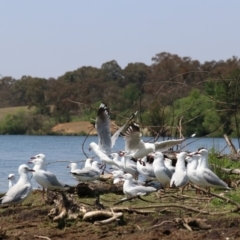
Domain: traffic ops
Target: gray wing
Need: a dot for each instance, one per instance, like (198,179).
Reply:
(165,145)
(116,134)
(103,129)
(168,172)
(16,194)
(86,173)
(213,179)
(132,137)
(52,179)
(142,190)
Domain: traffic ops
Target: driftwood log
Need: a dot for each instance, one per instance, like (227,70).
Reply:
(191,223)
(94,189)
(103,217)
(230,144)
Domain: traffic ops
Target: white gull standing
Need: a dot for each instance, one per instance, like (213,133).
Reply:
(179,177)
(73,165)
(168,164)
(126,165)
(21,190)
(45,178)
(192,164)
(206,176)
(117,176)
(131,189)
(145,167)
(162,173)
(87,174)
(11,180)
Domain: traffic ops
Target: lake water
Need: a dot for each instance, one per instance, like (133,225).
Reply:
(60,150)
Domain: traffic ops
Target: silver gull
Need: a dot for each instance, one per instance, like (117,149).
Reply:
(137,148)
(45,178)
(11,180)
(21,190)
(87,174)
(131,189)
(179,177)
(206,176)
(162,173)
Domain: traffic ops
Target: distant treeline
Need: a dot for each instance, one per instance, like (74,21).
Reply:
(173,93)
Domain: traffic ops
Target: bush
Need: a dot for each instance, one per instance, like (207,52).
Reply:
(26,123)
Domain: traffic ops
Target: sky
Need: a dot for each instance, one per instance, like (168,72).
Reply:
(47,38)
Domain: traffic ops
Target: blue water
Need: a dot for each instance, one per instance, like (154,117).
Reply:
(60,150)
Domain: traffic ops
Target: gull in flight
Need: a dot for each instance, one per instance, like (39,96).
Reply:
(137,148)
(102,125)
(11,180)
(21,190)
(105,140)
(103,157)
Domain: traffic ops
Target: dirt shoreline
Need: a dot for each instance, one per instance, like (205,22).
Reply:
(71,128)
(31,221)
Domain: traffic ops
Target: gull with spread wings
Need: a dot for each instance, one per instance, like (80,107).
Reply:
(137,148)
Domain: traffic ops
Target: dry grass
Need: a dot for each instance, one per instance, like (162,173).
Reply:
(81,127)
(11,110)
(74,128)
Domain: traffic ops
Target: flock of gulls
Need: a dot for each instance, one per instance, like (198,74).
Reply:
(142,167)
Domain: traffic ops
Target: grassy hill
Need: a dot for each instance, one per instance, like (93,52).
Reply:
(80,127)
(11,110)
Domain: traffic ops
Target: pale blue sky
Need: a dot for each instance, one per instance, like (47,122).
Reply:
(50,37)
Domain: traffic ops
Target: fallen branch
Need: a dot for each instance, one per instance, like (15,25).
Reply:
(188,223)
(230,171)
(158,225)
(93,215)
(173,206)
(43,237)
(114,218)
(131,210)
(131,198)
(228,200)
(65,208)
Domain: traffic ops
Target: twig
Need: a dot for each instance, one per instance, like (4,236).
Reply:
(43,237)
(129,199)
(218,196)
(131,210)
(173,206)
(204,207)
(138,227)
(160,224)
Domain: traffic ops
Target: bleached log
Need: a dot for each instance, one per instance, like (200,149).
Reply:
(230,144)
(110,217)
(114,218)
(89,216)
